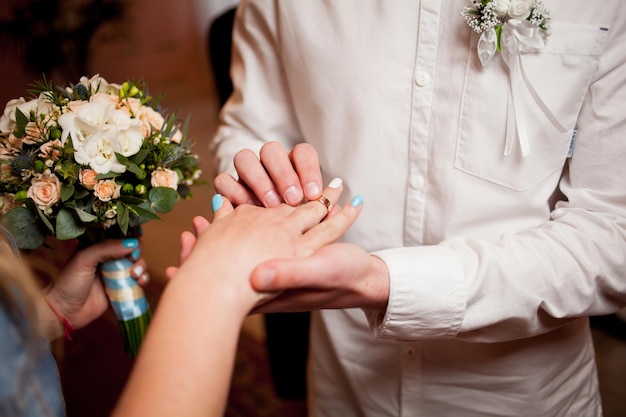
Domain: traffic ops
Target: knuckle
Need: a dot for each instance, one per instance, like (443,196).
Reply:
(221,181)
(242,156)
(270,148)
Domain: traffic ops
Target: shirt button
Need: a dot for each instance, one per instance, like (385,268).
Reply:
(422,79)
(410,352)
(416,182)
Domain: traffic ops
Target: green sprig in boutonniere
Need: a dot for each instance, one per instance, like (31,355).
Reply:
(527,20)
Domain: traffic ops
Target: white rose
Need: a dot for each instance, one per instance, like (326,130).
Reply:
(107,190)
(123,120)
(45,190)
(501,7)
(99,84)
(520,9)
(98,112)
(88,119)
(129,140)
(99,153)
(111,213)
(163,177)
(7,120)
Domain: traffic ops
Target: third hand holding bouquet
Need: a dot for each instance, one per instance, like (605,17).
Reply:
(92,161)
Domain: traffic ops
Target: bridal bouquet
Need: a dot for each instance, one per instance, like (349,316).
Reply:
(93,161)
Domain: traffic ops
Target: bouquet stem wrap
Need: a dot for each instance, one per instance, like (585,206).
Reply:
(128,301)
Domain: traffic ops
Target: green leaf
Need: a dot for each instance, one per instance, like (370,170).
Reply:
(122,159)
(22,224)
(84,216)
(33,208)
(498,33)
(122,217)
(107,175)
(81,194)
(67,226)
(139,157)
(163,199)
(136,170)
(21,120)
(145,213)
(185,131)
(67,192)
(128,199)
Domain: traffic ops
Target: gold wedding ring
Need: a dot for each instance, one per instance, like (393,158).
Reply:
(324,201)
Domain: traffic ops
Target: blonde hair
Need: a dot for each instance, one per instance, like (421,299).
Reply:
(19,291)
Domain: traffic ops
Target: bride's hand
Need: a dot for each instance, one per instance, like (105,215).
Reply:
(223,253)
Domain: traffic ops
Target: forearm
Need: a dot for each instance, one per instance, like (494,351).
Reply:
(258,111)
(186,360)
(523,285)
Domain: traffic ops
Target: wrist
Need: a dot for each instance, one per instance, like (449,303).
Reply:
(214,288)
(378,288)
(53,323)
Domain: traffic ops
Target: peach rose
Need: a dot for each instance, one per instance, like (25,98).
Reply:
(151,120)
(115,100)
(45,190)
(163,177)
(51,150)
(107,190)
(87,178)
(7,202)
(131,106)
(74,105)
(177,136)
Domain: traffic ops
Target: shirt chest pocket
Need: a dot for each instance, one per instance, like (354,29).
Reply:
(560,74)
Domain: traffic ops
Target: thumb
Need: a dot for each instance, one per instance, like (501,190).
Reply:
(283,274)
(107,250)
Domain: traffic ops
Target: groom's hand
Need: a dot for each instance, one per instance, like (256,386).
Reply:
(274,177)
(339,275)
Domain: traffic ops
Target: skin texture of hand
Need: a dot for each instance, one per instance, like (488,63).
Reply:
(186,361)
(340,275)
(336,277)
(78,294)
(274,177)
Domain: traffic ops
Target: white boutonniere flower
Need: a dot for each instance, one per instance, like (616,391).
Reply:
(514,28)
(509,26)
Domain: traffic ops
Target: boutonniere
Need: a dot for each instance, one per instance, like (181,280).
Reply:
(513,27)
(510,26)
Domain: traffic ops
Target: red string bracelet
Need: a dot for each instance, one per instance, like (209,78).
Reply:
(67,327)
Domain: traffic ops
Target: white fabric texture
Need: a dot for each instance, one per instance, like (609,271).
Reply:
(495,261)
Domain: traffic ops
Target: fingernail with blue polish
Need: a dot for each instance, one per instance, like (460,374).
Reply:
(216,202)
(136,254)
(357,200)
(130,242)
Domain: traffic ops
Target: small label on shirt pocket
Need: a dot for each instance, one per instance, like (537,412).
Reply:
(561,74)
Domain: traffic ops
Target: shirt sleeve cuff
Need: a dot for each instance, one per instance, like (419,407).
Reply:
(426,295)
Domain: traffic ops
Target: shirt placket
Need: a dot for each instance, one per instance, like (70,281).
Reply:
(419,137)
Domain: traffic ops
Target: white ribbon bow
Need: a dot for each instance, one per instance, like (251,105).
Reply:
(517,37)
